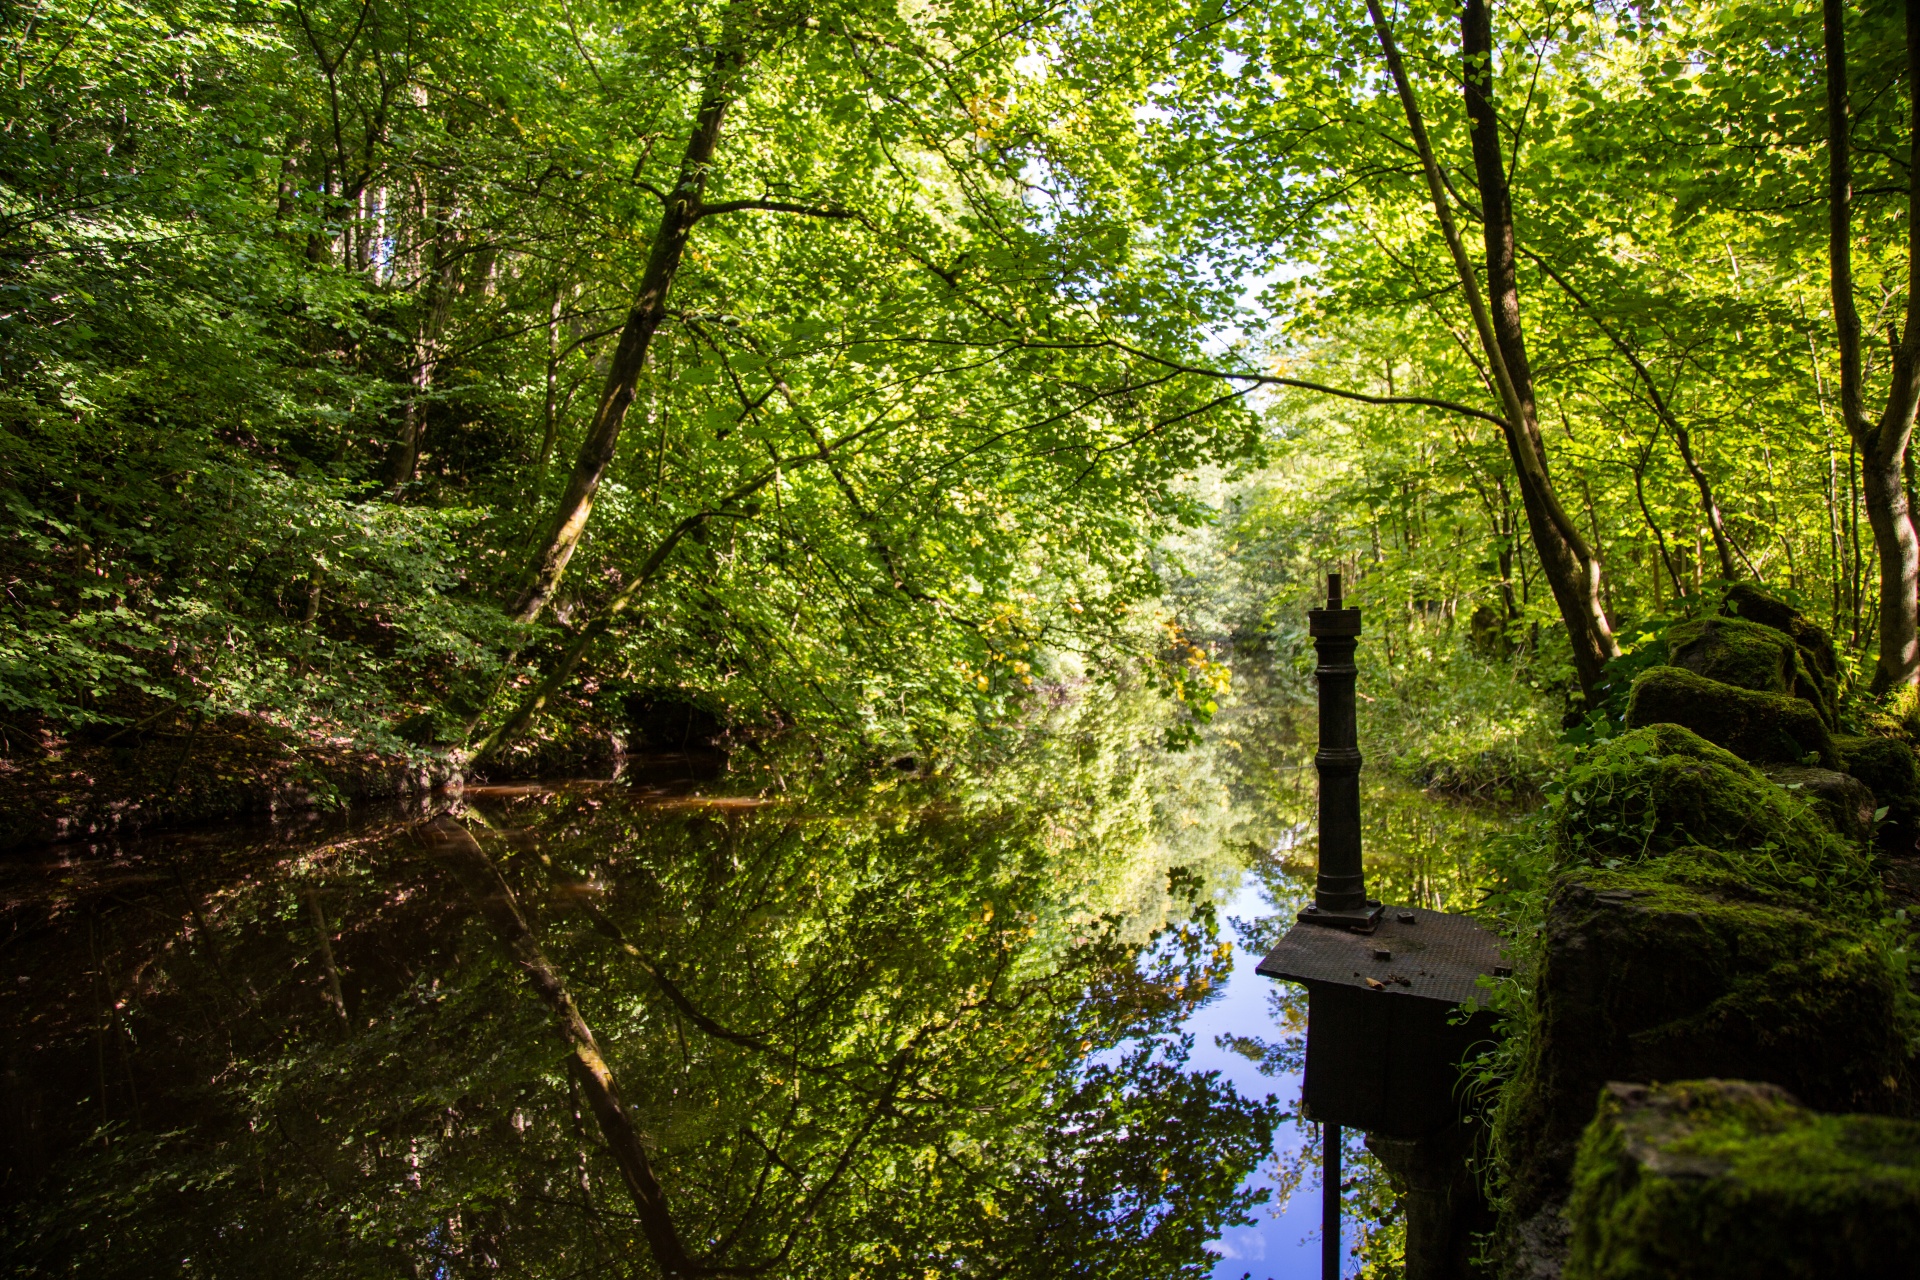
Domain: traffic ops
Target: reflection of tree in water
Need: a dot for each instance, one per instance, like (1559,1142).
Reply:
(851,1040)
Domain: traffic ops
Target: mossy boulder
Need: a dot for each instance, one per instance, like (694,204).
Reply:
(1730,1180)
(1749,656)
(1669,970)
(1845,802)
(1889,767)
(1756,726)
(1817,650)
(1660,789)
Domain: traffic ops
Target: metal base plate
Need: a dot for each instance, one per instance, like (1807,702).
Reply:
(1414,952)
(1365,920)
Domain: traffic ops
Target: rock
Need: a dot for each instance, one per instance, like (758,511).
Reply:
(1750,656)
(1536,1246)
(1758,727)
(1885,764)
(1889,767)
(1730,1180)
(1817,651)
(1644,977)
(1843,800)
(1487,634)
(1662,789)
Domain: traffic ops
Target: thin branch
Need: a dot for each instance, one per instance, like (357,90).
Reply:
(776,206)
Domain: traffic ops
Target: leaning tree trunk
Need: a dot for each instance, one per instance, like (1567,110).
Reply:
(1881,443)
(1571,567)
(683,209)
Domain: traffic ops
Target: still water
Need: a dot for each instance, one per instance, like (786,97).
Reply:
(1000,1021)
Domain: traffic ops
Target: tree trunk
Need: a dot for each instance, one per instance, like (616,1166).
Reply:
(462,856)
(438,303)
(1893,538)
(1722,545)
(1882,443)
(683,209)
(1571,568)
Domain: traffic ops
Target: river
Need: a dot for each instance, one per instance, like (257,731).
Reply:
(999,1020)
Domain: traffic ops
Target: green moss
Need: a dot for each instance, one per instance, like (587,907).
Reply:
(1749,656)
(1733,651)
(1888,766)
(1715,1178)
(1662,788)
(1843,802)
(1753,725)
(1673,968)
(1818,655)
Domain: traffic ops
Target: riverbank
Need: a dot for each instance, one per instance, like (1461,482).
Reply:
(54,787)
(1712,893)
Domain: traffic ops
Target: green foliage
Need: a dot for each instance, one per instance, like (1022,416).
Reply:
(1645,650)
(248,254)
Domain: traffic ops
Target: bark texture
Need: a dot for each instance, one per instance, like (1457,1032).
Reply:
(1881,441)
(1571,567)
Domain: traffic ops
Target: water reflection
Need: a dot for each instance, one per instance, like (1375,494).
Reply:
(849,1038)
(1419,851)
(882,1031)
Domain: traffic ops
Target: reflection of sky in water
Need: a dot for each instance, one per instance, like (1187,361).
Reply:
(1284,1241)
(1419,850)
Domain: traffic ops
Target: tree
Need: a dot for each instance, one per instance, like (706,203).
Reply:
(1882,441)
(1572,568)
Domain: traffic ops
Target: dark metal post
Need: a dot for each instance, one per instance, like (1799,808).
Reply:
(1340,892)
(1385,1039)
(1330,1202)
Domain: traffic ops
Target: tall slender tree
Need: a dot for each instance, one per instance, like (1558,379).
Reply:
(1880,440)
(1572,567)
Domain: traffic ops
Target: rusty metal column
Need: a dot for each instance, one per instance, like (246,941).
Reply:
(1340,891)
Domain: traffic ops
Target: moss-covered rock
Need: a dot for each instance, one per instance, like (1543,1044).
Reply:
(1755,605)
(1889,767)
(1749,656)
(1728,1180)
(1756,726)
(1669,970)
(1817,651)
(1661,789)
(1845,802)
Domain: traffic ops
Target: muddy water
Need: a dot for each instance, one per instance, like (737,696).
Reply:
(890,1028)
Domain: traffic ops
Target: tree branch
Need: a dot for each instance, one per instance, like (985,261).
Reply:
(774,206)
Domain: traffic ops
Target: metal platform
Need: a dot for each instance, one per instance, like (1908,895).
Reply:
(1385,1039)
(1411,952)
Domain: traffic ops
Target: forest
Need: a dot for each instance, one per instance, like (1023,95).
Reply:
(431,377)
(955,400)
